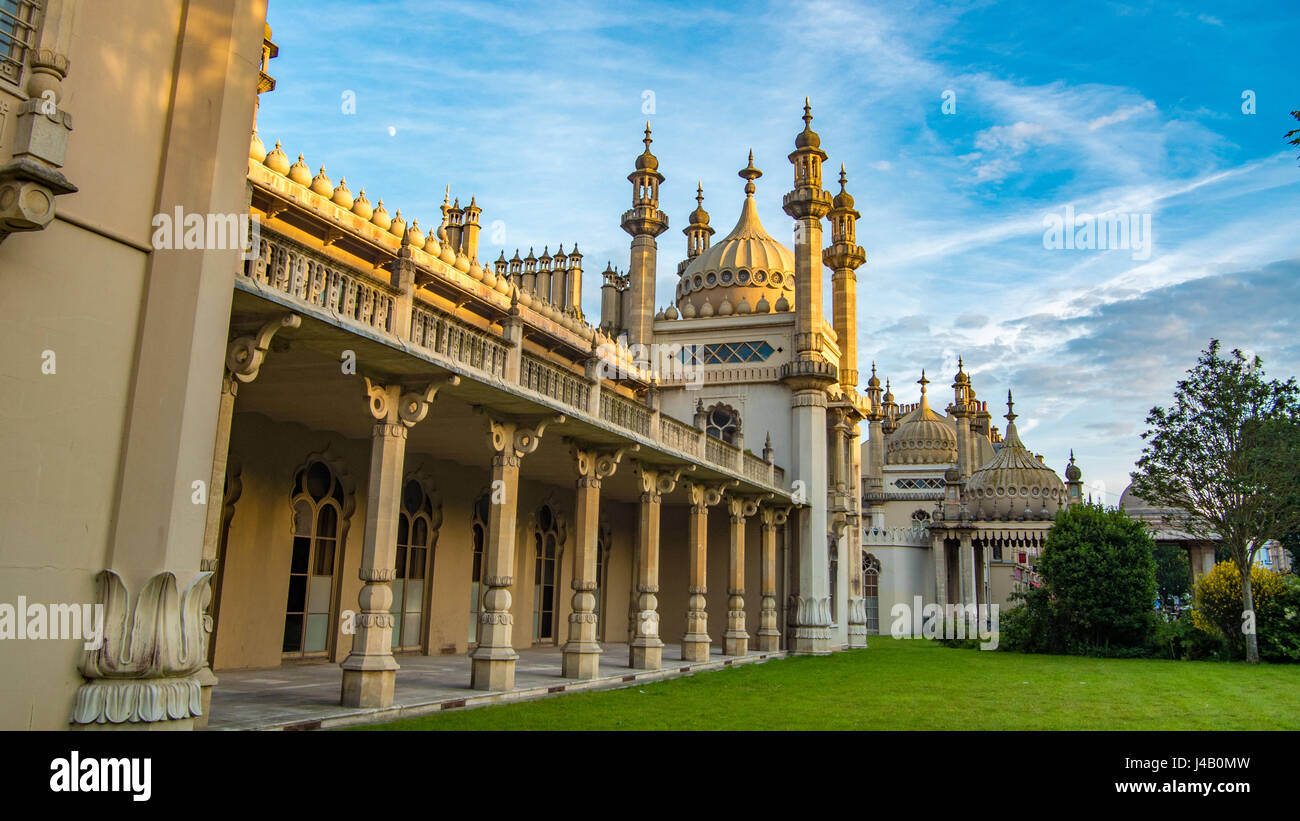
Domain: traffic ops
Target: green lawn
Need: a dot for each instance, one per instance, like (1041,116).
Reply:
(919,685)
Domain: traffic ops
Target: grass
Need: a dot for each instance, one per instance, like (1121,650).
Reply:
(919,685)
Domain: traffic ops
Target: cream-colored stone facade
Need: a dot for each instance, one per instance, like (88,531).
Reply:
(357,441)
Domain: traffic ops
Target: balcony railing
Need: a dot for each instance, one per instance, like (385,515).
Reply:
(325,287)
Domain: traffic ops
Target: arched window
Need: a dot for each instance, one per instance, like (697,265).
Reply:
(546,554)
(722,422)
(920,516)
(871,592)
(833,571)
(602,566)
(478,536)
(318,506)
(417,536)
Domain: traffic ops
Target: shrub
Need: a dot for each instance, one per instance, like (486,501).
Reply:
(1031,625)
(1218,608)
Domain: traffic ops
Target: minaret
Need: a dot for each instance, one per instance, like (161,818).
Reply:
(876,435)
(699,231)
(809,376)
(963,410)
(644,222)
(843,258)
(1073,482)
(540,290)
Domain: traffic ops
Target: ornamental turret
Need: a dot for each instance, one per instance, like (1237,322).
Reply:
(844,257)
(644,221)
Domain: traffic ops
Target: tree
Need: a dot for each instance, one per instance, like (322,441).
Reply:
(1219,457)
(1295,132)
(1099,565)
(1219,600)
(1172,572)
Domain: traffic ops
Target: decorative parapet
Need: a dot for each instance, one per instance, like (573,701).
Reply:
(143,671)
(914,536)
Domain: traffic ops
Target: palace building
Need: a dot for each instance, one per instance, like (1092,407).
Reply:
(356,444)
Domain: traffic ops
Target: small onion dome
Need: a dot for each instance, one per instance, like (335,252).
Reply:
(256,149)
(889,395)
(725,308)
(659,314)
(277,160)
(647,161)
(699,216)
(482,274)
(447,255)
(1014,479)
(671,312)
(688,310)
(742,307)
(961,378)
(923,437)
(763,306)
(361,207)
(398,226)
(461,263)
(952,475)
(1072,472)
(782,304)
(299,173)
(874,381)
(843,200)
(707,308)
(380,217)
(342,196)
(807,138)
(320,184)
(414,235)
(503,283)
(431,245)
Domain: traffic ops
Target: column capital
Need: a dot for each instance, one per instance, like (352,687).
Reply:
(515,437)
(707,494)
(657,480)
(741,507)
(774,515)
(395,404)
(245,354)
(595,463)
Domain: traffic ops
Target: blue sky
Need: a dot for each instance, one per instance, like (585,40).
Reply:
(1130,108)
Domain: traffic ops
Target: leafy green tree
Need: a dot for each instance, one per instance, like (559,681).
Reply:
(1099,565)
(1172,571)
(1222,457)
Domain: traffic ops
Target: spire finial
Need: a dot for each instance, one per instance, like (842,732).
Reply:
(699,193)
(1072,456)
(1011,414)
(647,139)
(843,178)
(923,381)
(749,173)
(807,114)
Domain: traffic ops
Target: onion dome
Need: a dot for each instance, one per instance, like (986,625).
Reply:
(763,307)
(414,235)
(923,437)
(361,207)
(299,173)
(320,184)
(725,308)
(707,308)
(431,245)
(807,138)
(1072,472)
(342,197)
(398,226)
(647,161)
(699,216)
(277,160)
(380,217)
(782,304)
(874,381)
(889,394)
(742,307)
(747,264)
(670,312)
(843,200)
(961,378)
(256,148)
(688,310)
(1014,480)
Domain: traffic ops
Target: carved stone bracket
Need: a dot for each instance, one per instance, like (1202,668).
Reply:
(245,354)
(395,404)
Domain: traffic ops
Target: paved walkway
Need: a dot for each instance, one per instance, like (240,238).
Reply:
(306,696)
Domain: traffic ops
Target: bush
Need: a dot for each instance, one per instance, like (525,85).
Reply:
(1031,626)
(1099,567)
(1179,639)
(1218,608)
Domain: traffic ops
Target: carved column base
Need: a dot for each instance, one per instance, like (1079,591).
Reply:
(172,703)
(492,673)
(735,644)
(646,653)
(368,688)
(695,647)
(206,682)
(767,642)
(811,641)
(736,639)
(857,623)
(581,652)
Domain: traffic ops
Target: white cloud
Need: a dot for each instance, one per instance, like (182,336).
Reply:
(1121,115)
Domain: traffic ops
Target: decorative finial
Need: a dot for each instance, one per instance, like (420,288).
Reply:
(647,139)
(807,114)
(699,193)
(1072,456)
(1011,414)
(843,178)
(749,173)
(923,381)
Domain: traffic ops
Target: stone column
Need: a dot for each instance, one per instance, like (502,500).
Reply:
(857,604)
(736,639)
(581,652)
(768,638)
(492,664)
(696,642)
(940,553)
(646,648)
(969,593)
(369,671)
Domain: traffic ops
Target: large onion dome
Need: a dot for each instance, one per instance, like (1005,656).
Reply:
(1014,481)
(923,437)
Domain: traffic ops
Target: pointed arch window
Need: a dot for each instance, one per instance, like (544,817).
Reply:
(602,567)
(417,537)
(722,422)
(871,592)
(318,503)
(546,564)
(478,537)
